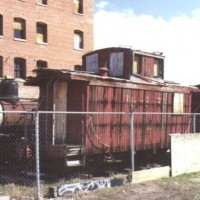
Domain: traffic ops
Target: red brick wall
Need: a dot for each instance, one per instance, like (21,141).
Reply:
(61,22)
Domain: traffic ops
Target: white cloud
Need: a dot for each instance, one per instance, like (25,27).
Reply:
(102,4)
(178,38)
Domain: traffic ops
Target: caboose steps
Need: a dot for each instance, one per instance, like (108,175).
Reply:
(74,150)
(74,163)
(74,158)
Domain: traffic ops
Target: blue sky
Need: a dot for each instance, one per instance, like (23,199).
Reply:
(168,26)
(156,8)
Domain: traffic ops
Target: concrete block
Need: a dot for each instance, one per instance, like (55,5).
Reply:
(185,153)
(150,174)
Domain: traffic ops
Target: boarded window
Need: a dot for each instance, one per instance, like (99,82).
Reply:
(92,63)
(19,28)
(41,64)
(1,25)
(116,64)
(78,6)
(178,103)
(78,39)
(20,68)
(41,32)
(42,2)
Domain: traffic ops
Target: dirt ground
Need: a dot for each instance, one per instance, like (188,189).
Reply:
(185,187)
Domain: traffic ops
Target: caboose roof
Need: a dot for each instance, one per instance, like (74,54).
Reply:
(138,82)
(135,51)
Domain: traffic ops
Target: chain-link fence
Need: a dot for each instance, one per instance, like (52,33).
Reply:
(41,149)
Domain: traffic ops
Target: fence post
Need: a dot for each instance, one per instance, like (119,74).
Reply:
(194,123)
(132,142)
(37,155)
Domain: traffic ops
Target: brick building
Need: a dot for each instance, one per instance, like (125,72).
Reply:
(43,33)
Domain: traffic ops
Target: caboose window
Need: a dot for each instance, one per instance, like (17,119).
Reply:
(178,103)
(136,65)
(158,68)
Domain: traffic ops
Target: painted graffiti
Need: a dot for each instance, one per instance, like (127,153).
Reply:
(76,187)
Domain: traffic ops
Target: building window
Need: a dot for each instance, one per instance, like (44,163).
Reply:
(78,6)
(1,25)
(1,66)
(20,68)
(42,2)
(41,32)
(41,64)
(19,28)
(178,103)
(136,65)
(78,39)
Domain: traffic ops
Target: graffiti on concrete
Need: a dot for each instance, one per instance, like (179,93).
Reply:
(76,187)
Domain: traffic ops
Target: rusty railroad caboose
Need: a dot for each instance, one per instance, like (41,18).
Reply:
(113,80)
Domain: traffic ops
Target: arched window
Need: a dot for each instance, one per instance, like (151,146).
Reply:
(78,6)
(41,64)
(41,32)
(1,25)
(20,68)
(42,2)
(78,39)
(19,28)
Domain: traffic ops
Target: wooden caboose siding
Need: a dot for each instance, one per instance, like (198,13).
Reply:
(46,120)
(102,58)
(151,131)
(92,93)
(76,101)
(147,66)
(196,109)
(60,120)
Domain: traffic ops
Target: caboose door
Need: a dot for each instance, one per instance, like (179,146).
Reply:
(76,102)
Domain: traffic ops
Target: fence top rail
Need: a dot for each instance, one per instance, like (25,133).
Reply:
(95,113)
